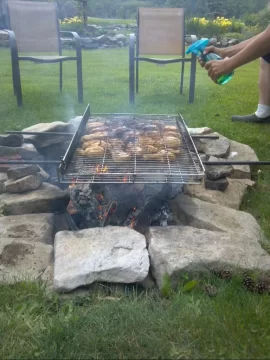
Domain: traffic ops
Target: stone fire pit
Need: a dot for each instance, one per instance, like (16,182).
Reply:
(206,229)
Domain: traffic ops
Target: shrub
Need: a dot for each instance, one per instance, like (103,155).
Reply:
(72,24)
(216,27)
(234,35)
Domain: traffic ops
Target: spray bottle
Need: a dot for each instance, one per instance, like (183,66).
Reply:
(198,48)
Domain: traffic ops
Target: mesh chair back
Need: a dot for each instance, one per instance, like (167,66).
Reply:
(161,31)
(35,25)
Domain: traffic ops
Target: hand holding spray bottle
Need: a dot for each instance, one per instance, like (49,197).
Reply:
(198,48)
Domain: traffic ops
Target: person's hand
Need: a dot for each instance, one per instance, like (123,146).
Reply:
(211,49)
(216,68)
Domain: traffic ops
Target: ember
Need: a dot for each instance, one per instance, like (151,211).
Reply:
(100,169)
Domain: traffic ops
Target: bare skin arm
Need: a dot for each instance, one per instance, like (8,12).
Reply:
(259,46)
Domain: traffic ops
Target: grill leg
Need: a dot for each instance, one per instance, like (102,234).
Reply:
(61,76)
(131,69)
(192,78)
(182,77)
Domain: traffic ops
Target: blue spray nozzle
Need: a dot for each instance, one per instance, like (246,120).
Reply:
(198,47)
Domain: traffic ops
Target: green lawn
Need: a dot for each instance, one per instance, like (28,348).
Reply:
(233,325)
(100,21)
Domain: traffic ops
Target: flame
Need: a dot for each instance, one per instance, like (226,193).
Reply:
(125,180)
(101,170)
(73,183)
(71,208)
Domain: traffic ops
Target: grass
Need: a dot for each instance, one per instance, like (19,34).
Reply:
(134,325)
(100,21)
(233,325)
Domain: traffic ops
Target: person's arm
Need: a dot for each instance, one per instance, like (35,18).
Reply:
(233,50)
(255,49)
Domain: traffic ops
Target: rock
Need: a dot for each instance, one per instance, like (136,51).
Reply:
(3,179)
(213,41)
(218,148)
(26,152)
(148,282)
(204,215)
(121,37)
(175,250)
(12,140)
(45,176)
(241,152)
(233,42)
(20,171)
(204,157)
(232,197)
(55,151)
(217,185)
(47,199)
(200,131)
(41,141)
(27,183)
(217,172)
(5,167)
(110,254)
(23,261)
(224,42)
(31,227)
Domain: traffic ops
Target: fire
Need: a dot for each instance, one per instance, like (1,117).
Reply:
(71,209)
(101,170)
(73,183)
(125,180)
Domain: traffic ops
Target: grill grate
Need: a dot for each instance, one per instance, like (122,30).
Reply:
(186,168)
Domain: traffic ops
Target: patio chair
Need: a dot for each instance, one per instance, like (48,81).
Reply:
(34,28)
(160,32)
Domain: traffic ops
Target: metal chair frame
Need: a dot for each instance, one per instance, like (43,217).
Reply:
(16,58)
(135,58)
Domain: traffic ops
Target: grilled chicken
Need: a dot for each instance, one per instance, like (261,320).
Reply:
(94,151)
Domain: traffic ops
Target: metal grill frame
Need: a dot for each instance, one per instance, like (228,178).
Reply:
(187,169)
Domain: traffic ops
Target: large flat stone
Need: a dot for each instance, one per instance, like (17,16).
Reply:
(232,197)
(200,131)
(217,172)
(25,184)
(218,148)
(241,152)
(21,261)
(47,199)
(30,227)
(26,152)
(20,171)
(41,141)
(12,140)
(3,179)
(111,254)
(175,250)
(201,214)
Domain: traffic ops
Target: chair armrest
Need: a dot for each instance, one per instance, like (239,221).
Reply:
(77,39)
(12,43)
(193,38)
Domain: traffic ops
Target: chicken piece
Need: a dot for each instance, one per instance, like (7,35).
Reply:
(172,142)
(150,128)
(134,150)
(145,140)
(97,136)
(93,144)
(119,156)
(170,128)
(92,125)
(97,129)
(80,152)
(172,134)
(152,134)
(150,149)
(94,151)
(160,156)
(174,151)
(115,143)
(120,131)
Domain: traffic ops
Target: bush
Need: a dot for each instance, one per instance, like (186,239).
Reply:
(210,28)
(72,24)
(234,35)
